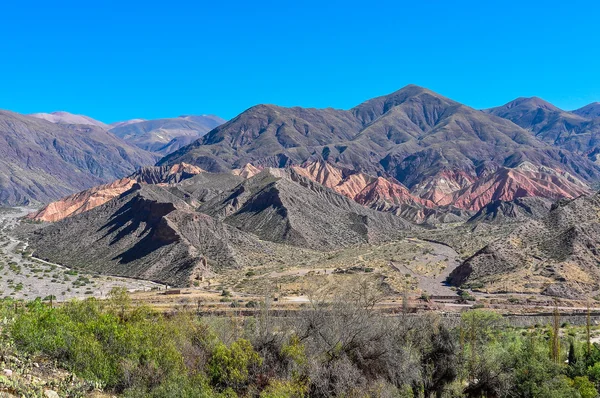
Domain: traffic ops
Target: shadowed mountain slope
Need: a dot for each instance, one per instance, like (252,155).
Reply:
(175,233)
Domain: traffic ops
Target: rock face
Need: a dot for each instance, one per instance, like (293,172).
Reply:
(82,201)
(517,210)
(166,174)
(413,135)
(526,180)
(164,136)
(247,171)
(42,161)
(556,255)
(97,196)
(146,233)
(283,206)
(152,232)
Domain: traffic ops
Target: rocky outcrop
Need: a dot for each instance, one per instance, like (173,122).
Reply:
(507,184)
(247,171)
(83,201)
(555,255)
(165,174)
(517,210)
(97,196)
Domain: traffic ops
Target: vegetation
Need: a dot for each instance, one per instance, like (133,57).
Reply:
(333,347)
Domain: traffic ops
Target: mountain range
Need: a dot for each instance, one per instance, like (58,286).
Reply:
(413,135)
(46,156)
(325,179)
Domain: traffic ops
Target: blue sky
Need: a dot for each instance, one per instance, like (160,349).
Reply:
(117,60)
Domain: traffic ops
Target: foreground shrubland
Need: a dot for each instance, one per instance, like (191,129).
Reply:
(333,348)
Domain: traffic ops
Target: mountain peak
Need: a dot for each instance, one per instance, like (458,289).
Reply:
(62,117)
(590,111)
(528,103)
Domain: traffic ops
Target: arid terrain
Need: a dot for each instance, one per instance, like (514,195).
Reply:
(22,276)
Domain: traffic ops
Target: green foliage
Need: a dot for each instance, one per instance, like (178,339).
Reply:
(229,366)
(585,387)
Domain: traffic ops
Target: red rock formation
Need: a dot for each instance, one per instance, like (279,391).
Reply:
(96,196)
(247,171)
(82,201)
(440,188)
(383,194)
(376,192)
(526,180)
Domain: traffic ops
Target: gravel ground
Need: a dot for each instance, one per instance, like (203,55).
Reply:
(25,277)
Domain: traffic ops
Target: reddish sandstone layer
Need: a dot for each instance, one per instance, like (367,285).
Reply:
(247,171)
(96,196)
(508,184)
(375,192)
(82,201)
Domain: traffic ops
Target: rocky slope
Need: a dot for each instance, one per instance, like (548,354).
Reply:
(517,210)
(147,233)
(556,255)
(164,136)
(285,207)
(576,131)
(526,180)
(41,161)
(153,232)
(90,198)
(411,135)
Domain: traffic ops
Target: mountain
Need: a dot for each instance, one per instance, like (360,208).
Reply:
(164,136)
(590,111)
(61,117)
(517,210)
(556,255)
(575,131)
(41,161)
(526,180)
(91,198)
(150,232)
(412,135)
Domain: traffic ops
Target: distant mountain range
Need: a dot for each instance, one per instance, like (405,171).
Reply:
(45,156)
(164,136)
(41,161)
(440,151)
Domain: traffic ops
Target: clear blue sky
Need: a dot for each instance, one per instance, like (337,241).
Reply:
(116,60)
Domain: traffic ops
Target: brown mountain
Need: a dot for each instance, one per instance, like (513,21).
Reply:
(151,232)
(556,255)
(41,161)
(590,111)
(411,135)
(576,131)
(164,136)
